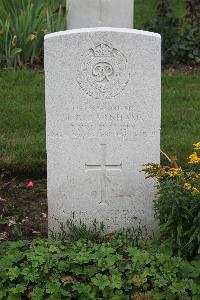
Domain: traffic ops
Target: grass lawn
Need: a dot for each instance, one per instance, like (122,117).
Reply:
(22,121)
(180,114)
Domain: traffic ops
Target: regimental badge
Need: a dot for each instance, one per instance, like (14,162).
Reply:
(103,71)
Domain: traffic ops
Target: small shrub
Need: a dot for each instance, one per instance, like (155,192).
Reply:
(193,10)
(168,26)
(178,205)
(180,36)
(75,230)
(190,42)
(115,269)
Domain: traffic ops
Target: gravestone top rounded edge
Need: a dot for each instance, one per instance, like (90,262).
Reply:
(102,29)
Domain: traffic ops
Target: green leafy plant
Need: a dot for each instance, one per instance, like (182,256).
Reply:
(178,205)
(168,26)
(180,35)
(190,40)
(55,21)
(114,269)
(23,24)
(193,10)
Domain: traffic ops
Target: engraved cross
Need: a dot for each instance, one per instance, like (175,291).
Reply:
(103,167)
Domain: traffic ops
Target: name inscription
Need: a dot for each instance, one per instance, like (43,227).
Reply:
(90,121)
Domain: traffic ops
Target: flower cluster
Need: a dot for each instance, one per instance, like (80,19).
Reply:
(188,187)
(197,146)
(189,181)
(162,172)
(192,179)
(194,158)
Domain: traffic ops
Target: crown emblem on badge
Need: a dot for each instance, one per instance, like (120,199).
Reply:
(103,70)
(102,50)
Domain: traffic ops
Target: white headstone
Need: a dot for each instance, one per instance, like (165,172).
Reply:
(99,13)
(103,124)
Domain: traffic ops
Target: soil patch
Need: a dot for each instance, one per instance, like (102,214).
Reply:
(185,69)
(23,208)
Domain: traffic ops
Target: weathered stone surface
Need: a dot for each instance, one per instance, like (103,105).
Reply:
(103,124)
(99,13)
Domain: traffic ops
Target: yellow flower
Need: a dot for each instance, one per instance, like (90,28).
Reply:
(14,41)
(160,173)
(172,172)
(33,36)
(194,159)
(44,31)
(187,186)
(195,191)
(197,146)
(193,176)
